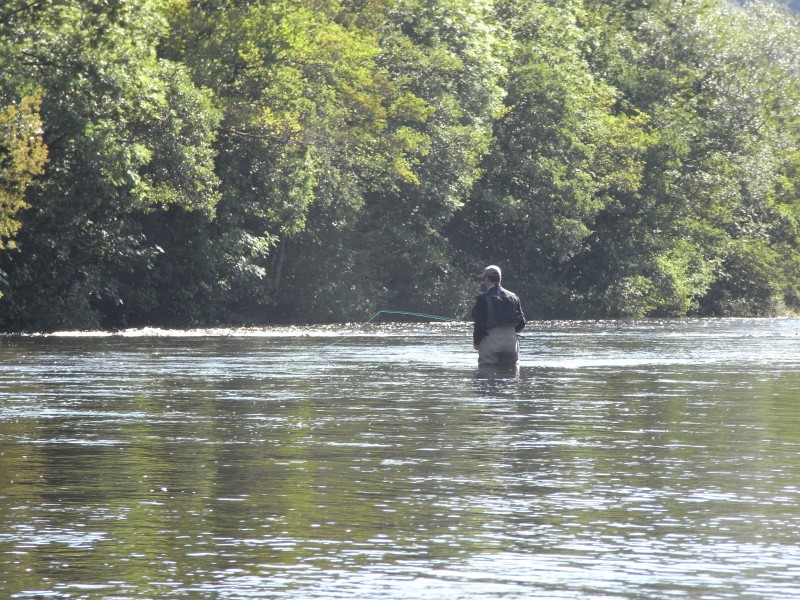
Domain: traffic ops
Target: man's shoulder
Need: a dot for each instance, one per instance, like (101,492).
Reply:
(509,293)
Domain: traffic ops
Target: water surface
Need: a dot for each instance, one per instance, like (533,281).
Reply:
(655,459)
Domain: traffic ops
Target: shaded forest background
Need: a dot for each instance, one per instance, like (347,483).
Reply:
(189,162)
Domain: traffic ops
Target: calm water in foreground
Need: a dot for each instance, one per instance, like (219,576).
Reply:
(624,460)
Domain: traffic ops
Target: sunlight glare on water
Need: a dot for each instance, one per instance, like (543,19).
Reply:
(652,459)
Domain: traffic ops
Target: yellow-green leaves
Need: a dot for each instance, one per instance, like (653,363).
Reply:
(22,157)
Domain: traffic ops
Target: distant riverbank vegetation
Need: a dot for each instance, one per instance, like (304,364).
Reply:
(195,162)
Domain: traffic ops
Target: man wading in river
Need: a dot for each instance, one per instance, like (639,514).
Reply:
(498,318)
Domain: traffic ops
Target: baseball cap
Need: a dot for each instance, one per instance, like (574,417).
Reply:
(492,271)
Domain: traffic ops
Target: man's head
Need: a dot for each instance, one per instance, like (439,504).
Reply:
(492,273)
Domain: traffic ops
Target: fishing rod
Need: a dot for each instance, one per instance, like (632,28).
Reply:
(394,312)
(411,314)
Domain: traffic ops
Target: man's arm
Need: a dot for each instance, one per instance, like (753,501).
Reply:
(520,316)
(480,314)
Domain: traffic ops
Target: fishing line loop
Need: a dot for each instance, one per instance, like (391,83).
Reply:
(393,312)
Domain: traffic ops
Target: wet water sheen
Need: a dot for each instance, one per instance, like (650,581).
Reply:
(624,460)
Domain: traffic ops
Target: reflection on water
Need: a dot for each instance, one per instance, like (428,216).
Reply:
(621,460)
(497,380)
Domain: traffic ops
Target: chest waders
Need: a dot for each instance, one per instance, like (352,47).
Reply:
(501,345)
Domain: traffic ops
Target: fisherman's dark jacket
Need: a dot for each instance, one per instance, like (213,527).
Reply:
(496,306)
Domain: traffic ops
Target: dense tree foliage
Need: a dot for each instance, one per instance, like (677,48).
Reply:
(22,156)
(180,162)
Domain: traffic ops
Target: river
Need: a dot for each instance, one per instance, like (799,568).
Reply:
(624,460)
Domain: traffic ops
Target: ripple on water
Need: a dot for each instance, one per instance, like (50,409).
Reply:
(623,460)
